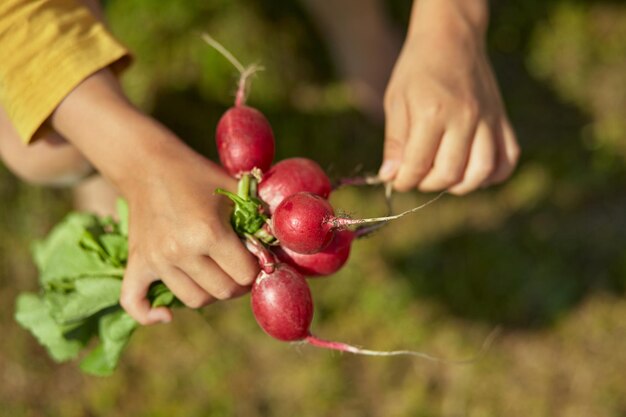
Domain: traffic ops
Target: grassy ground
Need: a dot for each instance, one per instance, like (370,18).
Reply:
(543,257)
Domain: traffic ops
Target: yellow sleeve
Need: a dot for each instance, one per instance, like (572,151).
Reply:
(47,47)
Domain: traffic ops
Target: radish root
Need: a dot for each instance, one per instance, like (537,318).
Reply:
(343,347)
(244,72)
(369,180)
(366,180)
(342,222)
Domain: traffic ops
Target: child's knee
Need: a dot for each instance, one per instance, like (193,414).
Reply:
(50,160)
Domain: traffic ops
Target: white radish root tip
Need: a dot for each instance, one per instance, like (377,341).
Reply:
(343,347)
(340,222)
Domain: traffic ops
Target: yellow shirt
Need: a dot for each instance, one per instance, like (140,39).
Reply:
(47,47)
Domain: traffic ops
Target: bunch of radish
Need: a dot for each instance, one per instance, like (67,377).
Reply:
(282,213)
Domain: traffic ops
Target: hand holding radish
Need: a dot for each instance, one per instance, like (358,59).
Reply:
(203,260)
(176,222)
(446,127)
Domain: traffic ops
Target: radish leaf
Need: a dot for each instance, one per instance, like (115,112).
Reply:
(32,313)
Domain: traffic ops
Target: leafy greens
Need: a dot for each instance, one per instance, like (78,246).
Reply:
(81,265)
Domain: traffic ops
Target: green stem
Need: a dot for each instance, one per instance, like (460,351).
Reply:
(265,236)
(234,197)
(243,188)
(254,188)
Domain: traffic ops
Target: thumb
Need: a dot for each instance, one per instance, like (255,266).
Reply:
(133,298)
(396,133)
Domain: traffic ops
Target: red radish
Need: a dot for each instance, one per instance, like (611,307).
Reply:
(282,305)
(326,262)
(244,140)
(244,137)
(305,223)
(291,176)
(302,223)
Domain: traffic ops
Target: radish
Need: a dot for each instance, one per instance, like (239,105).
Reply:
(244,140)
(244,137)
(302,223)
(326,262)
(306,223)
(283,306)
(282,303)
(291,176)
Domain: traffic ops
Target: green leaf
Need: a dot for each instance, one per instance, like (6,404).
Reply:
(95,363)
(247,217)
(61,258)
(32,314)
(90,241)
(161,296)
(67,232)
(91,295)
(115,331)
(116,247)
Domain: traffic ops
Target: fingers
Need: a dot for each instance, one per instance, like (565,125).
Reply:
(186,289)
(451,159)
(396,135)
(212,279)
(234,260)
(481,164)
(198,281)
(133,296)
(463,158)
(508,152)
(419,154)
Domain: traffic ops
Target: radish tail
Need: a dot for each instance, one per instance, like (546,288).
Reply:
(341,222)
(225,52)
(366,180)
(343,347)
(240,96)
(244,73)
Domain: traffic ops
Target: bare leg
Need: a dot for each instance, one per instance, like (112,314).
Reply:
(96,195)
(364,46)
(51,160)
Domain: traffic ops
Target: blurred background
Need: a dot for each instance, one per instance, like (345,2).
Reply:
(543,255)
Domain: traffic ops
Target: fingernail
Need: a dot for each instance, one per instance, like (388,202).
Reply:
(387,170)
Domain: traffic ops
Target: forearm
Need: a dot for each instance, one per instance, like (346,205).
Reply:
(125,145)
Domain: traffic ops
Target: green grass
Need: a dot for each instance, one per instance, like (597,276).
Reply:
(542,256)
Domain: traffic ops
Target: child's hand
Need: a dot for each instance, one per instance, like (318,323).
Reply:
(179,229)
(180,233)
(446,128)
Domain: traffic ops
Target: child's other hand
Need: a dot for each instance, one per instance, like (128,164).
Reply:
(446,127)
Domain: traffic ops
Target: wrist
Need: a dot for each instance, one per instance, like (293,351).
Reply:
(462,17)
